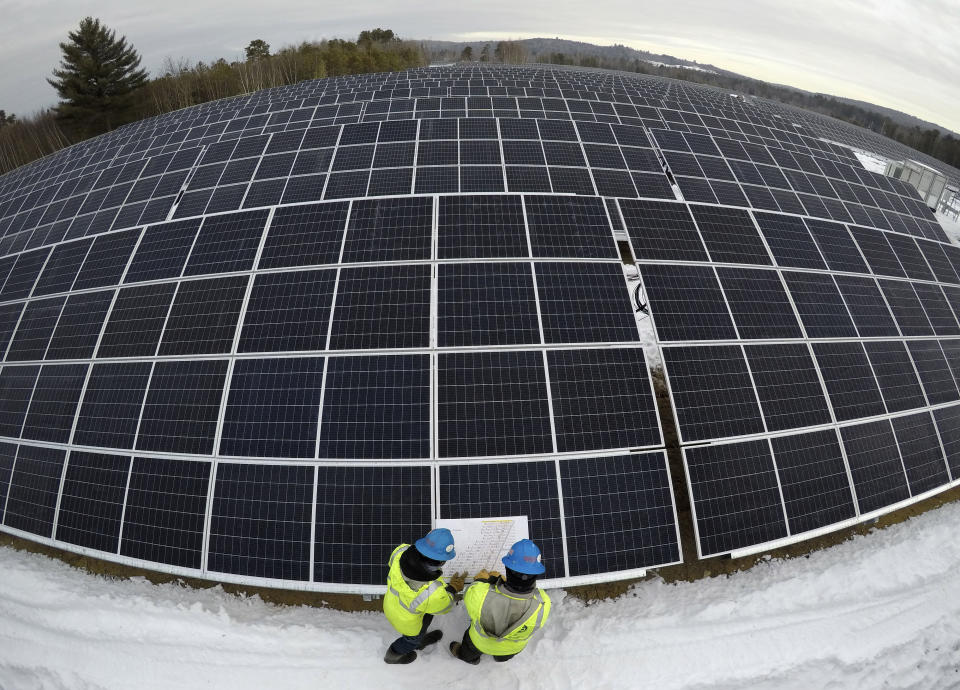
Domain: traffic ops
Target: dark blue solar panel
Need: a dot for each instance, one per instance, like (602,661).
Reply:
(203,318)
(34,485)
(486,304)
(136,321)
(8,451)
(249,503)
(837,247)
(502,490)
(686,303)
(877,251)
(107,260)
(820,305)
(662,231)
(111,404)
(587,303)
(619,513)
(789,241)
(759,303)
(79,326)
(935,374)
(23,275)
(788,386)
(54,402)
(895,373)
(273,408)
(948,426)
(477,227)
(227,243)
(492,403)
(163,251)
(180,412)
(165,508)
(813,478)
(382,307)
(712,392)
(730,235)
(389,230)
(849,379)
(16,388)
(878,474)
(921,452)
(735,495)
(867,307)
(565,226)
(906,307)
(363,513)
(91,504)
(304,235)
(62,267)
(376,407)
(602,399)
(35,329)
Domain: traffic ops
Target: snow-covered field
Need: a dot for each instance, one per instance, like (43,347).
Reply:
(881,610)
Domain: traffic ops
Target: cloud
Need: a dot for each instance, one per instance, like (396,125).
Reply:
(899,53)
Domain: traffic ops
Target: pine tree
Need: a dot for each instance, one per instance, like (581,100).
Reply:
(98,75)
(467,54)
(257,50)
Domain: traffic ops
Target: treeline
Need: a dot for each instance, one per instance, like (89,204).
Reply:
(943,147)
(183,83)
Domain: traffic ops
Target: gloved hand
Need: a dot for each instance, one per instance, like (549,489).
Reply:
(456,581)
(494,575)
(482,575)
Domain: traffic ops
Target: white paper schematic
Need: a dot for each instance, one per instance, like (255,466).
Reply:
(481,542)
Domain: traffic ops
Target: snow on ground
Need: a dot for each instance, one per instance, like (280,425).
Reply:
(877,611)
(951,226)
(871,161)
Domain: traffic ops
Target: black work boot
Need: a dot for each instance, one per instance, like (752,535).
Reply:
(430,638)
(455,650)
(391,657)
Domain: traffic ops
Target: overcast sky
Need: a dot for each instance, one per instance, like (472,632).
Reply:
(903,54)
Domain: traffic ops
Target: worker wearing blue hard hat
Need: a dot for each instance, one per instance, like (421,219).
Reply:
(504,612)
(416,592)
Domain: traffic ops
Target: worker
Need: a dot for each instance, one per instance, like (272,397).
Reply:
(504,613)
(416,592)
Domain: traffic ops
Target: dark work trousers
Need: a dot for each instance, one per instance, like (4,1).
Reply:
(410,643)
(469,652)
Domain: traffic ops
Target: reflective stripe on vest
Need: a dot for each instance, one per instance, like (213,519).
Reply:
(539,622)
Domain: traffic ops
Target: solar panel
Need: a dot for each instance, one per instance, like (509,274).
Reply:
(878,474)
(948,427)
(163,251)
(730,235)
(921,452)
(389,230)
(16,387)
(820,305)
(164,514)
(136,321)
(107,260)
(180,411)
(619,513)
(32,336)
(585,303)
(894,370)
(867,306)
(504,489)
(23,275)
(662,231)
(813,479)
(260,522)
(906,307)
(362,514)
(376,407)
(935,374)
(54,402)
(34,486)
(273,408)
(573,227)
(226,243)
(788,386)
(837,247)
(203,317)
(713,394)
(306,235)
(602,399)
(8,452)
(381,307)
(878,253)
(288,311)
(736,499)
(850,381)
(759,303)
(934,305)
(687,303)
(486,304)
(79,326)
(91,502)
(492,403)
(61,268)
(789,241)
(111,404)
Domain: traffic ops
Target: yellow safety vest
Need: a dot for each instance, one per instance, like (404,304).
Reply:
(405,607)
(514,639)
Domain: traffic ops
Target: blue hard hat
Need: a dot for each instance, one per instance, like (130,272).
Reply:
(437,544)
(524,557)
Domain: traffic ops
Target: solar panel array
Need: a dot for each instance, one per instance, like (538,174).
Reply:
(267,339)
